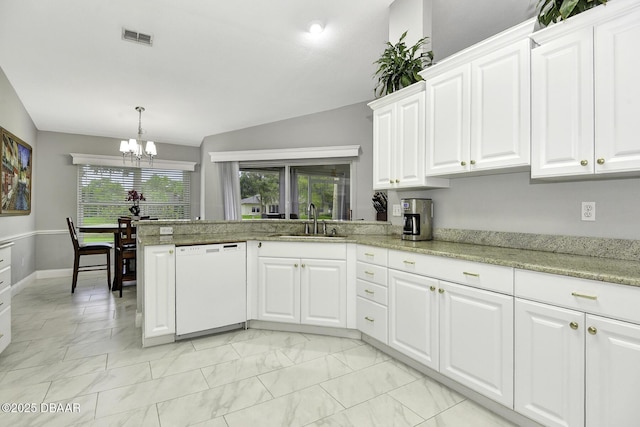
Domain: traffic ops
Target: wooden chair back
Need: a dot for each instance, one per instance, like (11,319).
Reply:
(126,233)
(74,234)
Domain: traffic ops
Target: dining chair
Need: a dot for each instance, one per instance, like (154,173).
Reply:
(88,249)
(125,253)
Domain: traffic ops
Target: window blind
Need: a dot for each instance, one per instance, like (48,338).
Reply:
(103,190)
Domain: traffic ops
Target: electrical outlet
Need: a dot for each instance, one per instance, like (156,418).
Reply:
(166,230)
(588,212)
(397,210)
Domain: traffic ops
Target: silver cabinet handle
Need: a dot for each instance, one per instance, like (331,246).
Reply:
(369,273)
(577,295)
(409,262)
(369,292)
(369,319)
(368,254)
(466,273)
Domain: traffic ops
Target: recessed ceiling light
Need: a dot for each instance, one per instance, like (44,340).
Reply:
(316,27)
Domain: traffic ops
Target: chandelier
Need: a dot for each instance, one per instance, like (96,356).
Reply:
(133,147)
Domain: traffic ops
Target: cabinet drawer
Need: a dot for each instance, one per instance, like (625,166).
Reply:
(5,328)
(303,250)
(372,255)
(371,273)
(5,298)
(485,276)
(5,278)
(372,319)
(590,296)
(372,292)
(5,257)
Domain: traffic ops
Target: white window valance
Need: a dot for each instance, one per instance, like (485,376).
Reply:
(286,154)
(116,161)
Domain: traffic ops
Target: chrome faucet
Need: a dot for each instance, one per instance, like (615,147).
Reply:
(313,214)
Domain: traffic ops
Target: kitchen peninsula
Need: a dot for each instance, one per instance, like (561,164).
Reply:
(481,312)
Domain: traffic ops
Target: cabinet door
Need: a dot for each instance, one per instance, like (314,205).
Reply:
(500,109)
(323,292)
(409,150)
(562,106)
(617,94)
(159,291)
(549,364)
(384,135)
(613,372)
(476,340)
(448,118)
(279,289)
(413,316)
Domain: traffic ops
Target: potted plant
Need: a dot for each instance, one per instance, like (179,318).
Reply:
(399,65)
(551,11)
(135,197)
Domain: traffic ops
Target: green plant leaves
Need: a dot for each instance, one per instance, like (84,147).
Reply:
(399,65)
(550,11)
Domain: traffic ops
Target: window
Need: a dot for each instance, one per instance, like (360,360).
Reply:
(102,193)
(286,191)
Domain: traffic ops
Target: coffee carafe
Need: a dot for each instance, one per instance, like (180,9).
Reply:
(418,219)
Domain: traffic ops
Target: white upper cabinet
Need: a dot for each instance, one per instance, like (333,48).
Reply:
(585,94)
(500,109)
(398,140)
(617,94)
(478,104)
(448,122)
(562,112)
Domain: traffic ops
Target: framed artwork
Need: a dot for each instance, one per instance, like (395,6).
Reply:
(17,158)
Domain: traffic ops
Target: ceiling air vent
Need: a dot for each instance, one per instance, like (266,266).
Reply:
(134,36)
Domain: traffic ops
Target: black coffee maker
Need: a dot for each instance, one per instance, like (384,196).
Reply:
(418,219)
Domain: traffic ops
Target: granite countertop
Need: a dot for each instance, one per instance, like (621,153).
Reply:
(585,267)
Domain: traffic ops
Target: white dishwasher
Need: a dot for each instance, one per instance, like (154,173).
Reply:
(211,287)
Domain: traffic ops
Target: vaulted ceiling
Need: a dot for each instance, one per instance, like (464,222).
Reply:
(213,67)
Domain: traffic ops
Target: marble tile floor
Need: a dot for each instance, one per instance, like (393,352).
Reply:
(77,360)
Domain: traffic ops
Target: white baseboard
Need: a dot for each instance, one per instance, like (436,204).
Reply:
(50,274)
(17,287)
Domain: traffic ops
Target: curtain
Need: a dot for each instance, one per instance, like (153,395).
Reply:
(230,179)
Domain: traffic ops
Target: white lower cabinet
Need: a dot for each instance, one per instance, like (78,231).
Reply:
(549,374)
(372,319)
(279,289)
(307,290)
(464,332)
(372,314)
(413,316)
(323,292)
(5,295)
(476,340)
(573,367)
(613,372)
(159,291)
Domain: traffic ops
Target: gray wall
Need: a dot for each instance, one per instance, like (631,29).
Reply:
(57,195)
(350,125)
(458,24)
(514,203)
(19,229)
